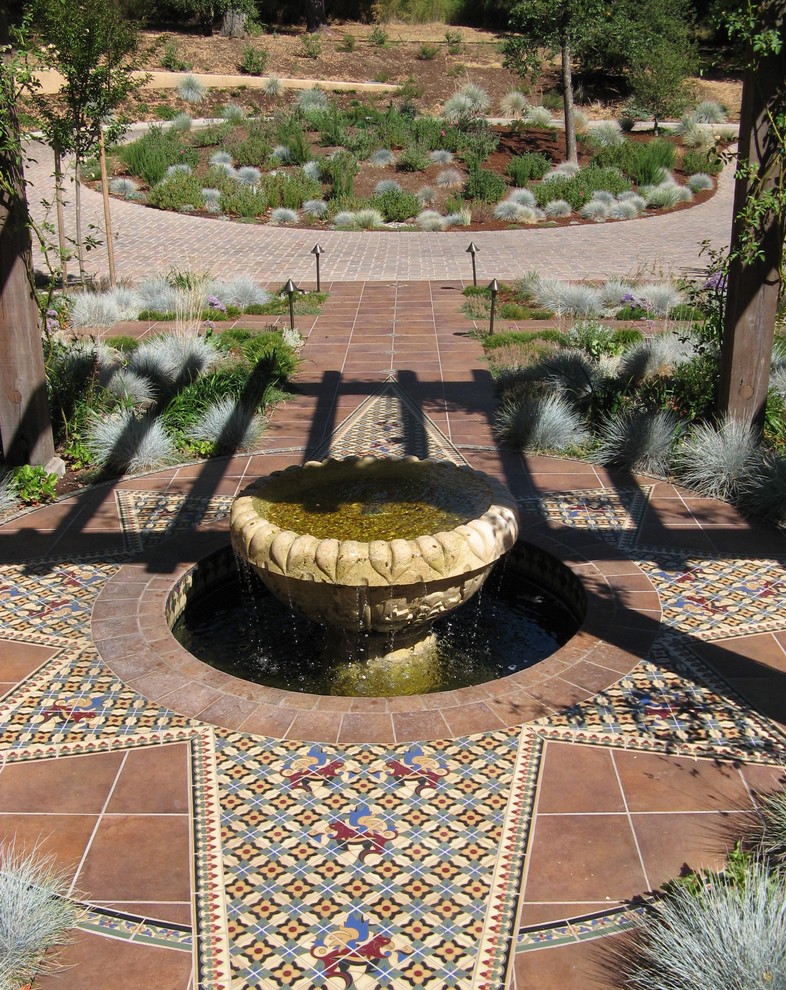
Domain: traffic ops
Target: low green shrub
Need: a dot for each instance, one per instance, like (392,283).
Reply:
(708,162)
(151,154)
(34,485)
(311,45)
(427,52)
(211,136)
(414,158)
(244,201)
(171,60)
(396,206)
(181,189)
(524,168)
(253,61)
(378,37)
(578,189)
(484,185)
(644,163)
(122,343)
(339,172)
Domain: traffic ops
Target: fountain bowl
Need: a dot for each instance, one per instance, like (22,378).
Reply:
(432,556)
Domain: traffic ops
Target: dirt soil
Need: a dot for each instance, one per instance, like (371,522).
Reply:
(431,80)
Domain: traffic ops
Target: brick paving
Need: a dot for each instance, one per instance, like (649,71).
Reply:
(147,241)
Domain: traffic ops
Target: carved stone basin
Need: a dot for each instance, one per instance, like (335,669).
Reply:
(381,547)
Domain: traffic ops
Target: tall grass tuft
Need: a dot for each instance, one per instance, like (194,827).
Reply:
(130,444)
(249,175)
(426,195)
(441,157)
(233,113)
(538,117)
(316,208)
(312,99)
(606,134)
(449,178)
(558,209)
(709,112)
(638,440)
(539,423)
(717,461)
(283,216)
(699,182)
(523,197)
(773,840)
(382,158)
(663,297)
(35,914)
(763,492)
(182,122)
(172,360)
(387,185)
(241,291)
(656,356)
(730,936)
(273,86)
(229,426)
(513,104)
(191,89)
(430,220)
(667,195)
(131,388)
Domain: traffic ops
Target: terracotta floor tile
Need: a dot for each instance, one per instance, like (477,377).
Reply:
(17,660)
(656,782)
(154,780)
(578,778)
(65,837)
(68,785)
(583,858)
(671,842)
(580,966)
(158,847)
(89,958)
(745,656)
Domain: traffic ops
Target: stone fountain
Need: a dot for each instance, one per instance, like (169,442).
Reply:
(375,547)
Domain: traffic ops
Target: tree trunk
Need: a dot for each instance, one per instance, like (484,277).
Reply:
(316,17)
(753,283)
(25,426)
(110,248)
(571,152)
(61,239)
(80,247)
(234,24)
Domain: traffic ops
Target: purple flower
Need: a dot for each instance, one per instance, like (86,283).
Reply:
(52,312)
(52,325)
(628,298)
(716,282)
(215,303)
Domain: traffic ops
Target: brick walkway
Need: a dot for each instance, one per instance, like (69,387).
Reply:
(149,240)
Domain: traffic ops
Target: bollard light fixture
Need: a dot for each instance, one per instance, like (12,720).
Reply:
(493,288)
(473,250)
(317,250)
(290,288)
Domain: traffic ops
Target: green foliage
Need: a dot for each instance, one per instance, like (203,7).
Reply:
(427,52)
(162,112)
(691,390)
(378,37)
(151,154)
(171,60)
(454,42)
(578,189)
(34,485)
(210,136)
(396,206)
(484,185)
(253,61)
(640,162)
(340,171)
(414,158)
(311,45)
(708,162)
(122,343)
(348,43)
(289,189)
(523,168)
(176,192)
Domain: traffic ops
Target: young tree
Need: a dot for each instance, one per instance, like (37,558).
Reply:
(661,57)
(96,50)
(567,27)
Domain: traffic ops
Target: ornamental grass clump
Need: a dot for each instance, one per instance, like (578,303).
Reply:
(717,460)
(657,356)
(35,915)
(762,493)
(430,220)
(539,423)
(699,182)
(622,210)
(426,195)
(232,113)
(558,209)
(638,440)
(182,122)
(441,157)
(241,291)
(283,216)
(538,117)
(132,389)
(102,309)
(666,196)
(369,219)
(221,158)
(523,197)
(727,934)
(157,294)
(663,298)
(513,104)
(249,175)
(173,360)
(382,158)
(191,89)
(316,208)
(449,178)
(606,134)
(130,444)
(179,169)
(595,210)
(709,112)
(229,426)
(387,186)
(273,86)
(312,99)
(123,186)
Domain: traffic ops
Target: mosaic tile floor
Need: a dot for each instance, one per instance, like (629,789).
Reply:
(373,866)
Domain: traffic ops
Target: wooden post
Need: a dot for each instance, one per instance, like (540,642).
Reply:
(753,284)
(25,426)
(110,249)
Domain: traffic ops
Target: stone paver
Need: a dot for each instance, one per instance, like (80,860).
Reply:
(148,241)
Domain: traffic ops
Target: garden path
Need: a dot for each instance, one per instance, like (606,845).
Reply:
(148,241)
